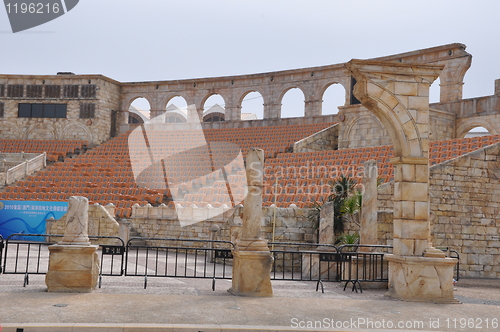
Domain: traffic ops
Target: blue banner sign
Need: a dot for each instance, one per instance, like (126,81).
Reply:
(28,216)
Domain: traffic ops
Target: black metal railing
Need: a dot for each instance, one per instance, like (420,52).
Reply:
(176,258)
(363,264)
(304,261)
(25,256)
(452,253)
(210,259)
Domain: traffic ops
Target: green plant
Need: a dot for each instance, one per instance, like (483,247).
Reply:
(346,204)
(351,207)
(346,238)
(342,188)
(314,214)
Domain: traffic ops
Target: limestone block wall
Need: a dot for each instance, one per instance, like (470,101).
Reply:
(360,128)
(473,112)
(291,225)
(272,122)
(101,223)
(442,125)
(465,209)
(95,130)
(327,139)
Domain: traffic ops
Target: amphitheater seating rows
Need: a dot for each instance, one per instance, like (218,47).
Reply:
(55,149)
(104,174)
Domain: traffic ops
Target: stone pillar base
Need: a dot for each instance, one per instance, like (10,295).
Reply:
(72,268)
(421,279)
(252,270)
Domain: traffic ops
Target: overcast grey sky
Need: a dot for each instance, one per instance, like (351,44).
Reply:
(163,39)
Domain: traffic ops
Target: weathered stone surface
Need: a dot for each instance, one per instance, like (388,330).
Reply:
(72,268)
(76,231)
(421,279)
(252,260)
(326,231)
(368,229)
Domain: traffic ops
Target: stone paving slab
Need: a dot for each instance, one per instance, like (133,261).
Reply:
(169,303)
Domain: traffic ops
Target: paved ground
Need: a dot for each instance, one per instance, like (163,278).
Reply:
(123,300)
(167,303)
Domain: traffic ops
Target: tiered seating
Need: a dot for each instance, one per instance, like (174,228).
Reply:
(104,174)
(273,139)
(440,151)
(301,178)
(55,149)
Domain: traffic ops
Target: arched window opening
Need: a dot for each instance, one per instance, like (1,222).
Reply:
(252,107)
(477,131)
(333,97)
(141,109)
(292,104)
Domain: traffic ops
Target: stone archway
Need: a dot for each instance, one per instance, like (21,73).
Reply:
(398,95)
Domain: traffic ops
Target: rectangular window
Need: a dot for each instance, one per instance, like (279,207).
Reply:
(61,110)
(24,111)
(88,91)
(53,91)
(37,110)
(2,90)
(15,90)
(87,111)
(70,91)
(49,111)
(34,91)
(1,110)
(42,110)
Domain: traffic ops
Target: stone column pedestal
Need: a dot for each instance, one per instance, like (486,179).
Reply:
(72,268)
(421,279)
(252,265)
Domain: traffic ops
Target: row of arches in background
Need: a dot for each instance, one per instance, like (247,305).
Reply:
(252,107)
(292,104)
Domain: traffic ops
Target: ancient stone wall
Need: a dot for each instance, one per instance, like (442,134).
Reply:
(321,141)
(292,225)
(465,205)
(95,129)
(360,128)
(101,222)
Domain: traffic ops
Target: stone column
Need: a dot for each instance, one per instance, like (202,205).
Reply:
(398,94)
(73,262)
(232,113)
(325,228)
(272,110)
(368,223)
(497,87)
(124,230)
(310,263)
(122,125)
(155,113)
(252,259)
(312,108)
